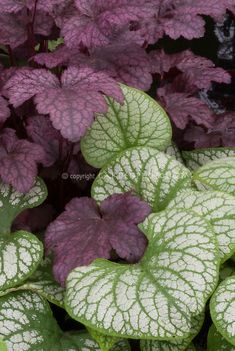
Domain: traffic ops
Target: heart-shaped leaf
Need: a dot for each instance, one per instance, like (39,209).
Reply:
(215,341)
(173,151)
(157,297)
(27,324)
(153,175)
(20,254)
(222,307)
(217,175)
(105,342)
(12,202)
(43,283)
(197,158)
(181,345)
(140,121)
(219,209)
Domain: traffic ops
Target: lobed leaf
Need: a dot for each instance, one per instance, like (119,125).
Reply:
(158,297)
(216,207)
(217,175)
(153,175)
(222,308)
(140,121)
(196,158)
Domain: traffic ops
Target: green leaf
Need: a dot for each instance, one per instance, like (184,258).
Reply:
(191,348)
(105,342)
(157,297)
(27,324)
(140,121)
(197,158)
(3,346)
(151,174)
(20,255)
(12,203)
(215,341)
(217,175)
(174,152)
(43,283)
(219,209)
(222,307)
(227,270)
(181,345)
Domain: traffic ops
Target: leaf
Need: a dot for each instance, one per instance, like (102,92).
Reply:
(88,232)
(71,103)
(27,323)
(12,31)
(196,158)
(20,255)
(95,22)
(105,342)
(181,345)
(215,341)
(43,283)
(12,202)
(4,110)
(140,121)
(158,297)
(222,307)
(153,175)
(217,175)
(183,108)
(216,207)
(18,160)
(173,151)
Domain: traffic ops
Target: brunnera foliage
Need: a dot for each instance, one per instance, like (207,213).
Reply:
(141,253)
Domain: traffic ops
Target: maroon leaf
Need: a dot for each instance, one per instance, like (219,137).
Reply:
(4,110)
(18,161)
(12,31)
(95,21)
(84,232)
(71,103)
(183,108)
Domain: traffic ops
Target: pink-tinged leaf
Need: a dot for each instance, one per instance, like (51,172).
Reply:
(26,83)
(11,6)
(183,108)
(185,25)
(40,130)
(18,161)
(4,110)
(71,103)
(96,21)
(62,55)
(197,71)
(200,138)
(12,31)
(84,232)
(212,8)
(43,23)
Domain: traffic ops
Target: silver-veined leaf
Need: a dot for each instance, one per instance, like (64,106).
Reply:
(219,209)
(157,297)
(181,345)
(217,175)
(215,341)
(153,175)
(197,158)
(173,151)
(12,202)
(139,121)
(27,324)
(20,255)
(222,308)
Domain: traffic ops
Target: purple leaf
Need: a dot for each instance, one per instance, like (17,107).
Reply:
(197,70)
(71,103)
(18,161)
(9,6)
(40,130)
(84,232)
(183,108)
(96,21)
(4,110)
(12,31)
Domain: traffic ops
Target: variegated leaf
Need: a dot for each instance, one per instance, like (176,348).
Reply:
(140,121)
(157,297)
(153,175)
(215,341)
